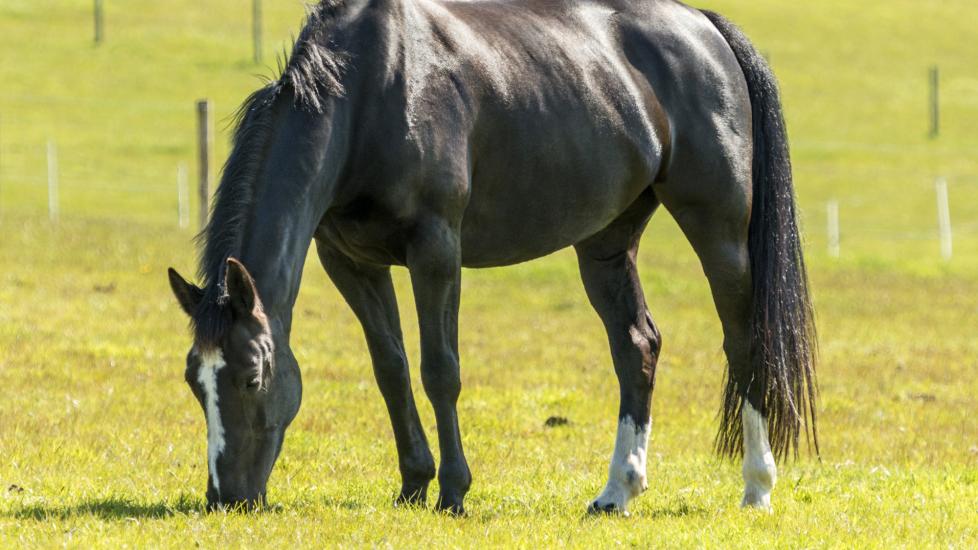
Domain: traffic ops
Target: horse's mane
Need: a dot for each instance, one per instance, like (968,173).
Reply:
(311,74)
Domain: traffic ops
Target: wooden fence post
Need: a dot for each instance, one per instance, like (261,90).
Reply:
(935,102)
(256,29)
(53,210)
(183,197)
(98,22)
(832,215)
(204,158)
(1,171)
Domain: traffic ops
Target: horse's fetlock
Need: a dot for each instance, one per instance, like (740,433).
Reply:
(632,478)
(418,469)
(458,478)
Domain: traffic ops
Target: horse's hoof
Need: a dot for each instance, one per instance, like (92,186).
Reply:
(408,502)
(451,507)
(411,498)
(606,509)
(761,503)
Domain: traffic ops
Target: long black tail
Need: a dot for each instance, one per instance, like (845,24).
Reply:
(781,383)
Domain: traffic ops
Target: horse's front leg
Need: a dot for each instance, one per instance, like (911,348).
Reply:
(434,261)
(370,293)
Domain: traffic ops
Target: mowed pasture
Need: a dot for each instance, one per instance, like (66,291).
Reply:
(102,444)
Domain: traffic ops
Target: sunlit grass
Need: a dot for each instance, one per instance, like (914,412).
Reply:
(101,443)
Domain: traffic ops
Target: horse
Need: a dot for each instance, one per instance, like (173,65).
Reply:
(439,134)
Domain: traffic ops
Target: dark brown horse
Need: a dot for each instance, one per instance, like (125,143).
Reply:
(436,135)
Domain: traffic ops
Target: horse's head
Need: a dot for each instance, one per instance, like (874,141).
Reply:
(248,388)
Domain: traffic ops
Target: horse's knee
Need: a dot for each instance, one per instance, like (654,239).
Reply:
(388,356)
(390,364)
(440,376)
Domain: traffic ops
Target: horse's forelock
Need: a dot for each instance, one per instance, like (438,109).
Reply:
(211,321)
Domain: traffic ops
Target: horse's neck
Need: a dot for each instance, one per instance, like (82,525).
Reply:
(291,196)
(274,250)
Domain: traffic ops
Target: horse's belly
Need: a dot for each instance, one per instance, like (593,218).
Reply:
(544,178)
(518,214)
(528,235)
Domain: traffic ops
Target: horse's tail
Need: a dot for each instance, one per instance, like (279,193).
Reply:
(780,381)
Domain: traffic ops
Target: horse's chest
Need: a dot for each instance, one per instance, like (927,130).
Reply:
(367,233)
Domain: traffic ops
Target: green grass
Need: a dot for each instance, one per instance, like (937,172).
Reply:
(102,444)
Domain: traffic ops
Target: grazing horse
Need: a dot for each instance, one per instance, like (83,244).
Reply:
(439,134)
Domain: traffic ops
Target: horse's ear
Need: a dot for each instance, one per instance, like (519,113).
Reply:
(188,295)
(242,294)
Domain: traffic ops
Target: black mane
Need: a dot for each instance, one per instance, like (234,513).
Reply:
(314,70)
(311,74)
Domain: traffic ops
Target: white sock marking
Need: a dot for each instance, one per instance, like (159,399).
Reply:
(626,475)
(760,471)
(211,363)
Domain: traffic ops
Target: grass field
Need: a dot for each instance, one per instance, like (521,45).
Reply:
(101,443)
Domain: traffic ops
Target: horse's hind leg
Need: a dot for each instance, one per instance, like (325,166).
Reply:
(607,265)
(370,293)
(713,210)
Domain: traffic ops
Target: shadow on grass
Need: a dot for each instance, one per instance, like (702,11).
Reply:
(680,510)
(112,508)
(352,505)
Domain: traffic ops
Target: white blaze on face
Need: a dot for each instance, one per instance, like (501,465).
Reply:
(626,475)
(211,363)
(760,471)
